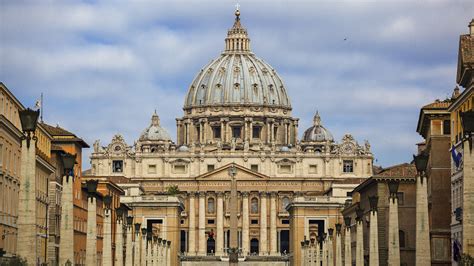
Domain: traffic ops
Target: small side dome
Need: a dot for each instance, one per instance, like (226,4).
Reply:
(317,133)
(183,148)
(155,132)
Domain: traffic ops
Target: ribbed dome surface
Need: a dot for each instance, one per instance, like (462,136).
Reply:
(155,132)
(237,77)
(317,133)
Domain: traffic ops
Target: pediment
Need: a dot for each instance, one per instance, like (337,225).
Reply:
(222,173)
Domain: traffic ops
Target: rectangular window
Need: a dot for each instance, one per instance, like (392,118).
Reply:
(210,167)
(179,169)
(348,166)
(117,166)
(152,169)
(285,221)
(1,153)
(446,127)
(313,169)
(217,132)
(256,132)
(401,198)
(254,221)
(254,167)
(210,221)
(236,132)
(285,169)
(275,133)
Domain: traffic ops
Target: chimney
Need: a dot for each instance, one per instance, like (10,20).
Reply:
(471,27)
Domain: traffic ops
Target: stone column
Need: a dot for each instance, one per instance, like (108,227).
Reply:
(149,258)
(143,246)
(273,225)
(164,253)
(359,238)
(136,246)
(192,225)
(129,246)
(347,242)
(304,255)
(155,251)
(160,251)
(119,242)
(324,244)
(91,241)
(312,253)
(202,225)
(374,236)
(330,247)
(220,225)
(338,261)
(107,240)
(26,240)
(263,224)
(168,253)
(245,224)
(393,237)
(318,253)
(423,256)
(66,245)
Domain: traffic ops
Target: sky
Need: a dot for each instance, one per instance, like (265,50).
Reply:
(105,66)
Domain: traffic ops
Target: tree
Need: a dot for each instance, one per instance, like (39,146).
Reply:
(172,190)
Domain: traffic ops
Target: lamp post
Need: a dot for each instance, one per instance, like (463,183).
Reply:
(129,245)
(359,237)
(374,238)
(107,241)
(155,251)
(168,253)
(423,250)
(91,241)
(312,252)
(119,236)
(66,244)
(26,240)
(347,242)
(303,254)
(393,238)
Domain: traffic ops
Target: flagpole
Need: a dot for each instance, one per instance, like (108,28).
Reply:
(41,108)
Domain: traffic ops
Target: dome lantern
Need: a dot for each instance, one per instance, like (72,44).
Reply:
(237,39)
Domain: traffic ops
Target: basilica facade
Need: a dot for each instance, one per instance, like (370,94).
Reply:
(237,114)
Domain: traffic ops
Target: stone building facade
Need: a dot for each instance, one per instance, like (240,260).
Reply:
(462,159)
(435,127)
(377,185)
(237,113)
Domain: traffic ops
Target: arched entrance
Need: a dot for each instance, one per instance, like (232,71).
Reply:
(211,245)
(254,246)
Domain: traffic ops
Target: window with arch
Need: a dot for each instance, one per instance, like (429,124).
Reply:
(254,205)
(284,202)
(211,205)
(402,240)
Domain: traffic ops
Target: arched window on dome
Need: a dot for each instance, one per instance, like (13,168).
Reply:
(254,205)
(285,201)
(211,205)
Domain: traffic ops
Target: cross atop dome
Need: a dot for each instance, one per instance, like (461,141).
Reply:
(155,119)
(317,119)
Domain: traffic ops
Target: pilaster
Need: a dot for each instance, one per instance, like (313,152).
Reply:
(202,225)
(245,224)
(263,224)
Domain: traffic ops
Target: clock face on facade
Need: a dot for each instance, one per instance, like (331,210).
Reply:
(117,148)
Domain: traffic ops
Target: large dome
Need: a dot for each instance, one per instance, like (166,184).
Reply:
(317,133)
(155,132)
(237,77)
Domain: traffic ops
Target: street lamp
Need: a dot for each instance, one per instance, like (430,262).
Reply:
(393,187)
(467,123)
(373,201)
(421,162)
(338,228)
(129,220)
(347,221)
(107,201)
(68,161)
(359,214)
(330,231)
(137,228)
(144,231)
(29,121)
(119,212)
(92,186)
